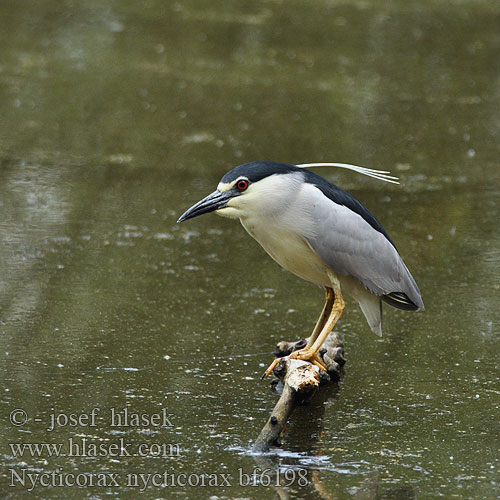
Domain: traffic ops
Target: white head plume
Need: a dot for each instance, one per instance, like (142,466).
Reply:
(381,175)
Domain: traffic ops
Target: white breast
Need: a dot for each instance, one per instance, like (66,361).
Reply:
(288,249)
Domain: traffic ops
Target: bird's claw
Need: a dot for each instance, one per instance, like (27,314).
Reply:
(271,367)
(311,356)
(302,354)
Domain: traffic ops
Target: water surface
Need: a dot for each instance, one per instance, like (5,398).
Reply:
(117,117)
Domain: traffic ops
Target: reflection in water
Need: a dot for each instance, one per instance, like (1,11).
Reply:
(115,117)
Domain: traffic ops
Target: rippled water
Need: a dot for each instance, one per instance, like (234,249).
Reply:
(115,119)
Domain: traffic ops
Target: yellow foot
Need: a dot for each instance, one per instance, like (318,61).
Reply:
(304,355)
(311,356)
(271,367)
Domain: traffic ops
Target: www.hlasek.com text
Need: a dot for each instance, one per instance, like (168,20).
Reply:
(84,447)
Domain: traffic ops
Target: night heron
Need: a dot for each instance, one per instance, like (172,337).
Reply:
(320,233)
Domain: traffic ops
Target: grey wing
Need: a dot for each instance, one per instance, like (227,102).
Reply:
(348,244)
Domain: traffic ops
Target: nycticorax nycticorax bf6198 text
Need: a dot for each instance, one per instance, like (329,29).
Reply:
(320,233)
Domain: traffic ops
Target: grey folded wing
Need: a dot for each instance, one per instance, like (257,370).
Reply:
(351,246)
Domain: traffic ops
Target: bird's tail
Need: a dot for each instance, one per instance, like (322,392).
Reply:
(371,305)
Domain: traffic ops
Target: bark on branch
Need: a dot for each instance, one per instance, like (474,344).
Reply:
(299,381)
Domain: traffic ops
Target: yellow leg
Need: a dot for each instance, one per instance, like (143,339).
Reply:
(321,332)
(337,310)
(329,300)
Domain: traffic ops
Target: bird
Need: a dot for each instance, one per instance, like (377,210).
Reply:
(322,234)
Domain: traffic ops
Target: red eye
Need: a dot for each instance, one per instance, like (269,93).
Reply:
(242,184)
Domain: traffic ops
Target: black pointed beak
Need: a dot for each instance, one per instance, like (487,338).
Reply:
(214,201)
